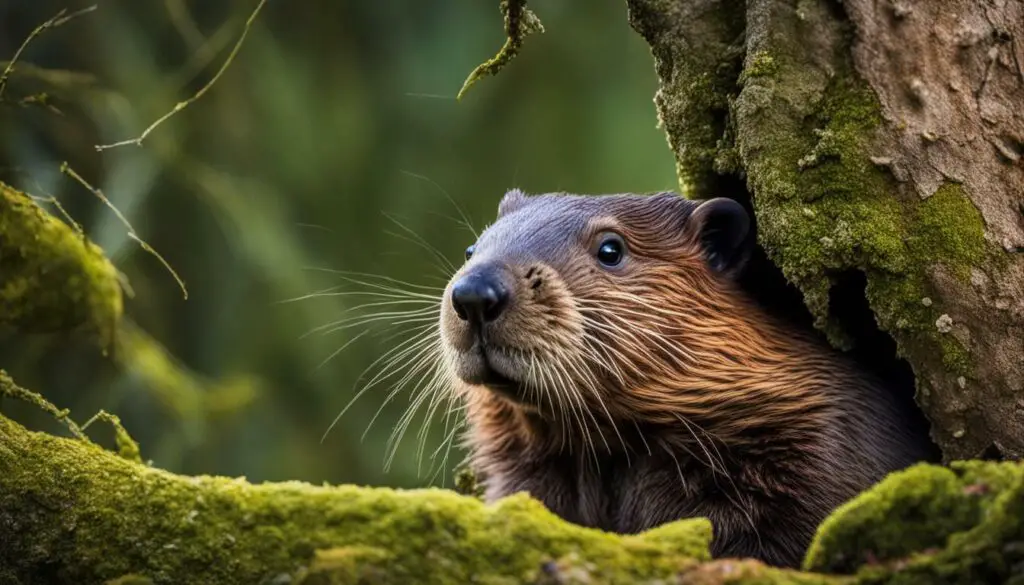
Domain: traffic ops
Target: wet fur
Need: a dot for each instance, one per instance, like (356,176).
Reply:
(686,398)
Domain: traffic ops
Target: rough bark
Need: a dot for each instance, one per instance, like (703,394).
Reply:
(879,137)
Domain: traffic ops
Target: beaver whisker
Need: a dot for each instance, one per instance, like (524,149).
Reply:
(710,458)
(438,396)
(601,355)
(334,353)
(744,510)
(562,412)
(446,444)
(335,291)
(413,367)
(420,241)
(575,406)
(643,439)
(433,308)
(379,315)
(578,398)
(628,339)
(403,292)
(425,387)
(548,380)
(679,355)
(431,385)
(676,325)
(360,321)
(349,274)
(417,362)
(587,380)
(428,333)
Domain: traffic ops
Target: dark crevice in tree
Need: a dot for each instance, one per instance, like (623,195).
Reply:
(762,279)
(874,349)
(871,348)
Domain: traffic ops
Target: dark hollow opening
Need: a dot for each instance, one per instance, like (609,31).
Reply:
(873,349)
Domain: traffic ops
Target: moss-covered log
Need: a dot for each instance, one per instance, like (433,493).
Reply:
(71,512)
(881,138)
(51,277)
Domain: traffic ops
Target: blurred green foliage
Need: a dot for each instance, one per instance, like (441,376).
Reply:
(334,116)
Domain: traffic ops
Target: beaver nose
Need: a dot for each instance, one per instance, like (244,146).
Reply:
(479,297)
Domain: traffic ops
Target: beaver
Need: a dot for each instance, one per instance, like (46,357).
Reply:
(611,367)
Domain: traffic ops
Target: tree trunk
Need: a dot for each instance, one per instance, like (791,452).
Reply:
(882,137)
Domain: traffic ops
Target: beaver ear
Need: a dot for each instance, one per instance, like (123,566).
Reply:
(723,228)
(513,200)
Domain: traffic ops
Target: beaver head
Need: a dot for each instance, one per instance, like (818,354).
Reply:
(593,308)
(576,316)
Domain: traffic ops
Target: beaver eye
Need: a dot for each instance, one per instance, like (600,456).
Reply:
(469,251)
(611,250)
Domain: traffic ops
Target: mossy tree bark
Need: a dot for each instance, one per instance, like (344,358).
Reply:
(880,137)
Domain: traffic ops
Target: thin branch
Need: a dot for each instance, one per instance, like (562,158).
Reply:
(184,104)
(520,22)
(67,170)
(57,20)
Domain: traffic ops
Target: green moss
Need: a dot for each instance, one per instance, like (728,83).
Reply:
(747,572)
(760,64)
(127,447)
(949,230)
(698,68)
(53,278)
(129,580)
(520,22)
(825,208)
(86,515)
(928,520)
(347,564)
(466,481)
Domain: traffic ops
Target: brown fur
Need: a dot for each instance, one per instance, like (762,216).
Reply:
(655,391)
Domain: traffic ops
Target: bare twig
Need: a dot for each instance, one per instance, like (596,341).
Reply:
(57,20)
(67,170)
(53,201)
(184,104)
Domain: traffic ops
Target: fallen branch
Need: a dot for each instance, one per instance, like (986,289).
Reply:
(72,512)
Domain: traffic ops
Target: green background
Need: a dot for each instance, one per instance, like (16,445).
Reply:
(334,116)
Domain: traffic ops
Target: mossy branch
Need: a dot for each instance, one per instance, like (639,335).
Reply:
(73,512)
(51,277)
(520,22)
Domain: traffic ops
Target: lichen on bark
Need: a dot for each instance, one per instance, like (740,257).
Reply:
(698,50)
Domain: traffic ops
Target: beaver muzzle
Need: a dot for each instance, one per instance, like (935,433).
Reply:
(479,298)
